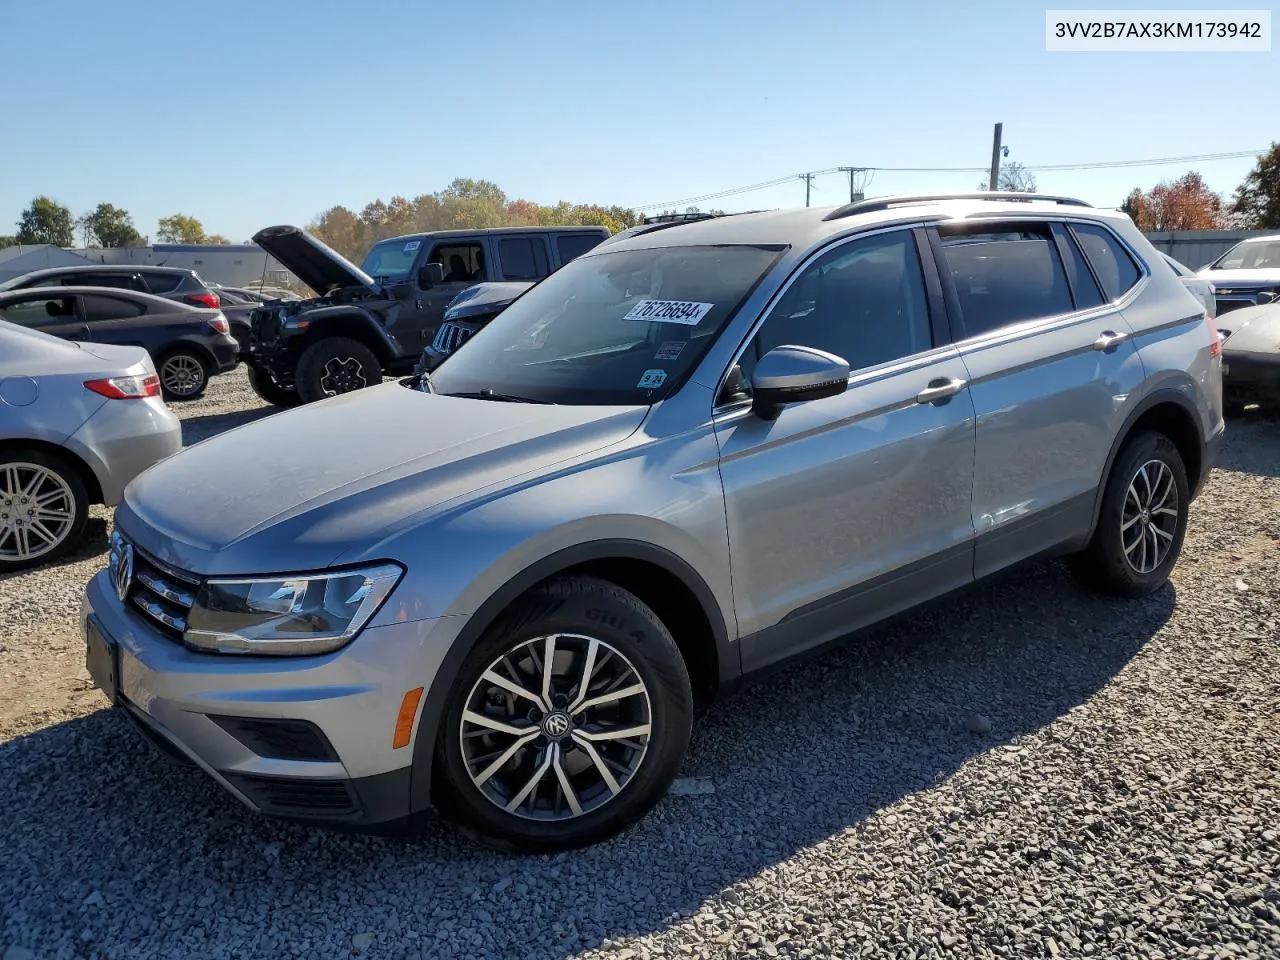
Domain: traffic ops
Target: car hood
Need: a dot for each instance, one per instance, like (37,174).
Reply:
(301,489)
(485,298)
(1253,330)
(1244,278)
(315,264)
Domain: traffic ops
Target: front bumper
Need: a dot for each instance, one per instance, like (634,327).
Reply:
(1251,376)
(307,738)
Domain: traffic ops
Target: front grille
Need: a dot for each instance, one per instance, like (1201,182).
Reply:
(266,324)
(164,596)
(278,739)
(297,796)
(450,337)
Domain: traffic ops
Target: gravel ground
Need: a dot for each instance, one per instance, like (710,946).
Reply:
(1027,771)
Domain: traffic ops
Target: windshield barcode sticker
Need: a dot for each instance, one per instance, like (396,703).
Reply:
(686,312)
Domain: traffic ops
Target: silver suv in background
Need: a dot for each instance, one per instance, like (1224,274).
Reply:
(682,459)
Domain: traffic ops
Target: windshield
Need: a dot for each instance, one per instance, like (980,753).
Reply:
(391,259)
(613,328)
(1251,255)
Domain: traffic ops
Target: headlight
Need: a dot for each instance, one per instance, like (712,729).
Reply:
(306,614)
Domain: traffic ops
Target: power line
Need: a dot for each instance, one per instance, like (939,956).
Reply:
(1100,165)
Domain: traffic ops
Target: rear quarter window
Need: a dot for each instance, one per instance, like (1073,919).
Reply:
(102,309)
(1111,262)
(164,282)
(574,245)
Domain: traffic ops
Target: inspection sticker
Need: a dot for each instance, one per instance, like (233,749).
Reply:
(652,379)
(412,245)
(669,350)
(686,312)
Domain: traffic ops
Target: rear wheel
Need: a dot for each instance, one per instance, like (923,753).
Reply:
(183,374)
(1142,521)
(335,365)
(568,722)
(43,508)
(266,387)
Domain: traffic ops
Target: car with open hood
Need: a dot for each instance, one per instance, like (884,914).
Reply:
(1247,275)
(674,464)
(376,319)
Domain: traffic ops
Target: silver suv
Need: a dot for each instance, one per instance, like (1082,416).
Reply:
(685,457)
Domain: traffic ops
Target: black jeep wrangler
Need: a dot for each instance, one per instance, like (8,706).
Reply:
(376,319)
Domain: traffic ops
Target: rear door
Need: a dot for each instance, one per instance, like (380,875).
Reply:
(46,312)
(1051,362)
(846,510)
(118,321)
(521,256)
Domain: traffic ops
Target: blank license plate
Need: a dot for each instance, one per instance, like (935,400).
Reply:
(102,659)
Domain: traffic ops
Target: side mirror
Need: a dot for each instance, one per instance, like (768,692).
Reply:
(430,275)
(791,374)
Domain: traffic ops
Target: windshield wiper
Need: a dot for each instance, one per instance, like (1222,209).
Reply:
(487,394)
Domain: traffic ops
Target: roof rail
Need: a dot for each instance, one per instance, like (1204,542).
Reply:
(876,204)
(648,225)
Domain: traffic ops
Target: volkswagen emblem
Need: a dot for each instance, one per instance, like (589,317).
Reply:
(555,725)
(122,569)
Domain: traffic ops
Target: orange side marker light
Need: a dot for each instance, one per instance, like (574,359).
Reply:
(404,722)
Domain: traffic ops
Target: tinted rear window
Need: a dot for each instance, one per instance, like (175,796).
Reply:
(163,282)
(1114,267)
(1005,277)
(100,309)
(576,244)
(523,258)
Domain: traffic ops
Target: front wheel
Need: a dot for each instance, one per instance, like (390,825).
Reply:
(265,386)
(1142,522)
(568,722)
(335,365)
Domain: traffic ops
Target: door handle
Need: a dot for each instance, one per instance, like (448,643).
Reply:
(1108,340)
(941,390)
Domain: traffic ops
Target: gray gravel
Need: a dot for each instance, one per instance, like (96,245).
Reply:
(1027,771)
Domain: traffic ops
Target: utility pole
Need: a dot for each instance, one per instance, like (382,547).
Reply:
(994,182)
(808,185)
(854,195)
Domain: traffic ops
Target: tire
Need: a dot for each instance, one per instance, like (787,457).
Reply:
(1119,561)
(183,374)
(632,647)
(265,386)
(335,365)
(44,481)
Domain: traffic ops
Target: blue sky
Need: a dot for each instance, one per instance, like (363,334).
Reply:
(244,114)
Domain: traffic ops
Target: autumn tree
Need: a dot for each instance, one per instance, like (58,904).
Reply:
(218,239)
(1183,204)
(1256,204)
(180,228)
(109,226)
(46,221)
(1014,178)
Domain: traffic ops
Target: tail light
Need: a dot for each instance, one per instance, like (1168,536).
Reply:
(1215,338)
(126,388)
(220,325)
(208,298)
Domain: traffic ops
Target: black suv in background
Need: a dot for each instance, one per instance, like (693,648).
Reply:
(377,318)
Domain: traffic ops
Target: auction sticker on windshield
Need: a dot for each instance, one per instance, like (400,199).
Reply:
(686,312)
(412,245)
(669,350)
(652,379)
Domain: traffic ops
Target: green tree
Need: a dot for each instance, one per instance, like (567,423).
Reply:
(1256,204)
(180,228)
(46,221)
(109,226)
(342,230)
(7,240)
(218,239)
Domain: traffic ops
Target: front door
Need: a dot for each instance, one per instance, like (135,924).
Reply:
(846,510)
(1051,363)
(53,315)
(464,263)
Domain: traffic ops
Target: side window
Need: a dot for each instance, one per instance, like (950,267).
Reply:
(462,262)
(523,258)
(573,245)
(1005,277)
(1083,286)
(1111,262)
(864,301)
(100,309)
(40,313)
(162,282)
(120,281)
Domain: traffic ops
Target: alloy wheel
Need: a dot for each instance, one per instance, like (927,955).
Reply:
(342,375)
(1149,517)
(37,510)
(181,375)
(556,727)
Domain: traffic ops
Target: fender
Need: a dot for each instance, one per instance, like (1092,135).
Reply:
(384,344)
(438,693)
(1155,398)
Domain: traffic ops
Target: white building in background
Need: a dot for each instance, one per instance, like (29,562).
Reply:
(25,257)
(232,265)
